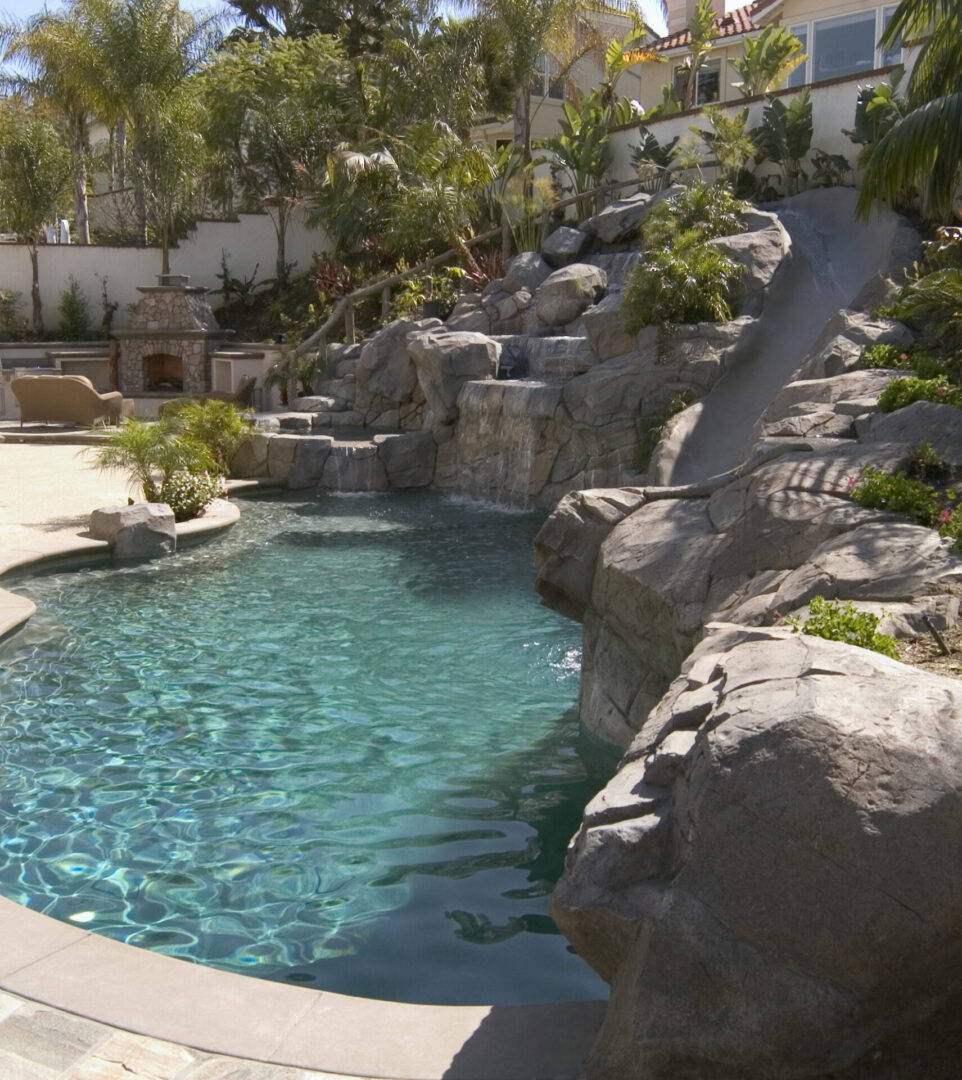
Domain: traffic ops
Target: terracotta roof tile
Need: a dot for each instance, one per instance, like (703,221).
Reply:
(739,21)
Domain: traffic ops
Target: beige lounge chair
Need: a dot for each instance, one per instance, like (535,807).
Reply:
(66,398)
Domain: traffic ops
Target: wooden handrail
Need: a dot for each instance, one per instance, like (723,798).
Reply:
(383,285)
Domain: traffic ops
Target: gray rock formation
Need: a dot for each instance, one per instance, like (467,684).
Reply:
(564,246)
(770,881)
(619,222)
(388,393)
(527,271)
(568,292)
(761,249)
(138,531)
(445,362)
(408,459)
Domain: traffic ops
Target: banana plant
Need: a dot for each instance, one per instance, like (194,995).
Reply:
(785,137)
(768,60)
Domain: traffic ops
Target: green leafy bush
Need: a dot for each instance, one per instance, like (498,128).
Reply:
(837,621)
(151,453)
(926,465)
(691,282)
(900,494)
(932,305)
(902,392)
(74,313)
(13,326)
(709,210)
(189,494)
(217,425)
(443,287)
(904,358)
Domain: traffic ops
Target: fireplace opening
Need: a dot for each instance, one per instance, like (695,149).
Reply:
(163,371)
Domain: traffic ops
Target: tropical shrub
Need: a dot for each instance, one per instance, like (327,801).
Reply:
(13,326)
(690,282)
(219,426)
(443,287)
(926,465)
(913,358)
(919,500)
(785,137)
(902,392)
(877,490)
(189,494)
(932,304)
(837,621)
(710,210)
(151,453)
(74,313)
(767,60)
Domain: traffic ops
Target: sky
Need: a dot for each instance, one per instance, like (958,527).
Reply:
(20,9)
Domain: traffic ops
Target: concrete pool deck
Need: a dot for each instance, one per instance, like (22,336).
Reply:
(77,1006)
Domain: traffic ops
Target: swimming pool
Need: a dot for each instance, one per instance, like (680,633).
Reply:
(336,747)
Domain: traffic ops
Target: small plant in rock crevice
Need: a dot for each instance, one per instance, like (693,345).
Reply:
(838,621)
(902,392)
(920,501)
(914,358)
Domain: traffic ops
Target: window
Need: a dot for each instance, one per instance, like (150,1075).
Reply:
(891,56)
(844,45)
(799,77)
(547,82)
(707,86)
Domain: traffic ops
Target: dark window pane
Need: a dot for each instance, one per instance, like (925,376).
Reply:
(844,46)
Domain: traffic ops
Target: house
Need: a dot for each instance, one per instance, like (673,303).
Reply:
(840,38)
(555,84)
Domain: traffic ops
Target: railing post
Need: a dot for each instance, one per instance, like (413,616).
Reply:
(349,335)
(505,239)
(386,303)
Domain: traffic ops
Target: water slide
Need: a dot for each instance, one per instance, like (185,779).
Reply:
(834,257)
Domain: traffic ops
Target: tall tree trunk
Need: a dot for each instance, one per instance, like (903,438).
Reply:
(120,162)
(522,124)
(81,224)
(165,250)
(280,228)
(35,289)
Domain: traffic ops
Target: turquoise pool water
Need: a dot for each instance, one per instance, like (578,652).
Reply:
(336,747)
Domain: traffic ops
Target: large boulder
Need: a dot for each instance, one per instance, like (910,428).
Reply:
(568,292)
(526,271)
(839,345)
(620,221)
(138,531)
(770,882)
(408,459)
(564,246)
(386,378)
(605,328)
(760,249)
(445,361)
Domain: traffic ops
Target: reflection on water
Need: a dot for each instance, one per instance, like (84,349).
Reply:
(335,747)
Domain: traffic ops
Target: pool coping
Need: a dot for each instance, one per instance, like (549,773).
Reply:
(163,997)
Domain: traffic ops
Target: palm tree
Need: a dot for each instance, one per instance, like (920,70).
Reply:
(35,174)
(57,55)
(924,147)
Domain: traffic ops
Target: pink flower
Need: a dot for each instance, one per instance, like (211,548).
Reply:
(850,480)
(945,516)
(903,356)
(941,390)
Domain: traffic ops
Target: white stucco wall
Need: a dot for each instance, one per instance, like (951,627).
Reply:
(248,242)
(833,108)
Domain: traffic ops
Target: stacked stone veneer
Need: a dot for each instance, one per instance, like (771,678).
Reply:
(175,320)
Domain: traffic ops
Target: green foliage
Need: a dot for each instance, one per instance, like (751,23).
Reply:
(443,287)
(702,30)
(580,153)
(651,431)
(650,152)
(944,252)
(913,358)
(219,426)
(877,110)
(728,140)
(915,498)
(900,494)
(768,60)
(13,326)
(902,392)
(785,136)
(926,465)
(709,210)
(189,494)
(829,170)
(689,282)
(74,313)
(932,304)
(151,452)
(837,621)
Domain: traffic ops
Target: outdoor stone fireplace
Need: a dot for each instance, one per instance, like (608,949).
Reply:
(167,345)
